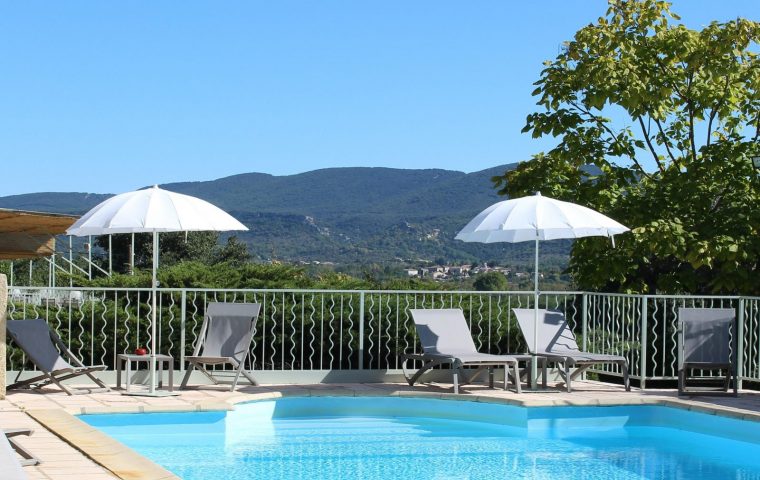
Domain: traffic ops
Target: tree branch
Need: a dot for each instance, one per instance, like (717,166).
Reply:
(690,109)
(691,133)
(599,122)
(666,73)
(674,86)
(714,111)
(666,143)
(709,125)
(645,131)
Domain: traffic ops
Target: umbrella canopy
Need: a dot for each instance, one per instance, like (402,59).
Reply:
(153,210)
(537,218)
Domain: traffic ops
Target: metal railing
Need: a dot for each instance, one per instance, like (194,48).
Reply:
(309,330)
(645,329)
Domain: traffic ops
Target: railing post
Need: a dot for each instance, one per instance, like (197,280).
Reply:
(183,313)
(740,345)
(584,324)
(3,319)
(361,330)
(643,335)
(584,319)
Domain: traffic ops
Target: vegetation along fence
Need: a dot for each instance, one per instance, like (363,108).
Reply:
(310,330)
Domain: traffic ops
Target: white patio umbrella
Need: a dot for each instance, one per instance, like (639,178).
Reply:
(153,210)
(537,218)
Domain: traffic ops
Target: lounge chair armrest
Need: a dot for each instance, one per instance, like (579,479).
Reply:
(413,356)
(14,432)
(28,458)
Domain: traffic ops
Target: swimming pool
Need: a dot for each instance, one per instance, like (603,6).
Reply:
(412,438)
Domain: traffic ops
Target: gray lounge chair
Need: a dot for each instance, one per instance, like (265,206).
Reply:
(39,344)
(28,458)
(556,343)
(225,339)
(705,343)
(9,464)
(446,339)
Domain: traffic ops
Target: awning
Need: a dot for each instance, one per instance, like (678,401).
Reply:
(30,234)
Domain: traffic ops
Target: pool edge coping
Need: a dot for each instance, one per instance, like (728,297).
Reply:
(127,464)
(109,453)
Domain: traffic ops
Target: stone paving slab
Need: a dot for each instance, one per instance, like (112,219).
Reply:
(48,407)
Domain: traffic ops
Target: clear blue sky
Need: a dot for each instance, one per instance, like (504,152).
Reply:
(111,96)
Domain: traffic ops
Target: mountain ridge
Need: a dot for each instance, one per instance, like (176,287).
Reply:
(341,214)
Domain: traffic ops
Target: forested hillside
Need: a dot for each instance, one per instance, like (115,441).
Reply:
(345,215)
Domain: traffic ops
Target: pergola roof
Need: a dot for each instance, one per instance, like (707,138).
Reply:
(26,234)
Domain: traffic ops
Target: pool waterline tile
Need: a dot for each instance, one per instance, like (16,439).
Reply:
(746,407)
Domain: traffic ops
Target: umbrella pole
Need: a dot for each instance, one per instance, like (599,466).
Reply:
(153,316)
(152,391)
(534,363)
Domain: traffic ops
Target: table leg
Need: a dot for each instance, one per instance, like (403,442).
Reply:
(128,380)
(118,372)
(160,374)
(171,374)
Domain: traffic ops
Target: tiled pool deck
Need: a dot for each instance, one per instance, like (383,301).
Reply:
(60,460)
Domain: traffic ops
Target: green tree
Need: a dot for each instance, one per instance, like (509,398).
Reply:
(233,252)
(491,282)
(175,247)
(655,123)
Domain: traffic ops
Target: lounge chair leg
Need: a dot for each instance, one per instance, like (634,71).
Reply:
(455,376)
(408,377)
(186,378)
(98,382)
(250,377)
(23,384)
(424,368)
(202,368)
(30,383)
(544,374)
(733,372)
(727,381)
(60,385)
(518,387)
(237,376)
(29,459)
(626,378)
(234,382)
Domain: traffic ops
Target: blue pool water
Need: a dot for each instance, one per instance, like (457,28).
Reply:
(408,438)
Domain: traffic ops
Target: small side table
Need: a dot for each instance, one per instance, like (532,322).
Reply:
(128,358)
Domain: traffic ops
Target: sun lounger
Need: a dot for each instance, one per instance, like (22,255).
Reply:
(446,339)
(10,467)
(225,339)
(556,342)
(28,457)
(705,343)
(39,344)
